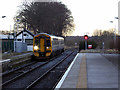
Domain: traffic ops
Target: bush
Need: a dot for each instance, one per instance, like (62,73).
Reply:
(82,44)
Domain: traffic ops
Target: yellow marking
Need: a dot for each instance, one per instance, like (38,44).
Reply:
(42,48)
(82,78)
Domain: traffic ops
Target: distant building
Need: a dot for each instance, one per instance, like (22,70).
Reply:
(25,34)
(73,40)
(7,43)
(24,37)
(23,41)
(6,36)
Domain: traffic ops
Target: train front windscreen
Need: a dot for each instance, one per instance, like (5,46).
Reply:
(36,45)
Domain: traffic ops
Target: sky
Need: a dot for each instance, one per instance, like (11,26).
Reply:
(88,15)
(8,8)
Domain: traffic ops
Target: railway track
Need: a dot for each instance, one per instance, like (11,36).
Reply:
(44,74)
(52,77)
(20,75)
(36,73)
(16,69)
(6,76)
(11,75)
(20,68)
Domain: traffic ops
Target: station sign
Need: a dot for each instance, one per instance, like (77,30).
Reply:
(89,46)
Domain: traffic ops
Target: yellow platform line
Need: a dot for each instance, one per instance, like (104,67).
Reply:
(82,78)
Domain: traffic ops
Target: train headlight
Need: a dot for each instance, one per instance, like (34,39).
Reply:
(35,47)
(47,47)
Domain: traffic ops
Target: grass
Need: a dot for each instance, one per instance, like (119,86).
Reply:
(109,51)
(90,51)
(8,55)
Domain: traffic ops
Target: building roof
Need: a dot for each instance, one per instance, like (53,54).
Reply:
(25,31)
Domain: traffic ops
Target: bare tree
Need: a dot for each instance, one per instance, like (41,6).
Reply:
(97,32)
(49,17)
(106,36)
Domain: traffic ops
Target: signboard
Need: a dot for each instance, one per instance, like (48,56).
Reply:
(89,46)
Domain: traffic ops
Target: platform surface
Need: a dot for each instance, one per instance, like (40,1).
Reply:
(90,70)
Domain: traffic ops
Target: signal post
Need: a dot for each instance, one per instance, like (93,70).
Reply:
(85,37)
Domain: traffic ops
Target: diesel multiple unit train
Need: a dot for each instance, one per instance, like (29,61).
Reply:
(46,45)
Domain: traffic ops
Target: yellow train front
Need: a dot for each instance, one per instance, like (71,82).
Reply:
(45,45)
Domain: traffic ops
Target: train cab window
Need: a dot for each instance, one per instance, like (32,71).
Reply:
(48,43)
(36,40)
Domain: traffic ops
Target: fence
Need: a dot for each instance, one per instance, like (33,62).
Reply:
(7,45)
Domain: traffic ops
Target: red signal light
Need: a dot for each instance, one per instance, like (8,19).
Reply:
(85,37)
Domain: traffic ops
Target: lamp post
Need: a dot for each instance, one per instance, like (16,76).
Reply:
(114,34)
(3,16)
(15,34)
(114,31)
(8,38)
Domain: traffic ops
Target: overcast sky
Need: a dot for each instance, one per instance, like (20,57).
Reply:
(88,14)
(93,14)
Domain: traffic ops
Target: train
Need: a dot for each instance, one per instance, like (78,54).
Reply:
(46,45)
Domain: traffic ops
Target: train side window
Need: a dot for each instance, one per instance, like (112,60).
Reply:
(62,42)
(53,42)
(48,43)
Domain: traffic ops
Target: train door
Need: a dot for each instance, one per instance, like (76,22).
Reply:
(42,44)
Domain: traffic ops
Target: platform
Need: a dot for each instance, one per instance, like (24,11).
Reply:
(90,70)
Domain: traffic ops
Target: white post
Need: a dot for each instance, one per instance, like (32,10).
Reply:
(103,47)
(85,44)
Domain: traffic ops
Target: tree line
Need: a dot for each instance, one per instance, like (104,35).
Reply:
(48,17)
(110,39)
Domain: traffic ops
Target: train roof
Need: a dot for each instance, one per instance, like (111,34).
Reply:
(52,36)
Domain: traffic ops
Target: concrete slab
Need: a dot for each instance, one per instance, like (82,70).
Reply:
(6,60)
(72,78)
(101,72)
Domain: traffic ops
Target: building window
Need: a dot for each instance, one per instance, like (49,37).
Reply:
(29,41)
(18,39)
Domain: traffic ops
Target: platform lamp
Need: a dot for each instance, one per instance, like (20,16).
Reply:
(114,31)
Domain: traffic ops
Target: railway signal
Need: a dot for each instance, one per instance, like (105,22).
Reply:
(85,37)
